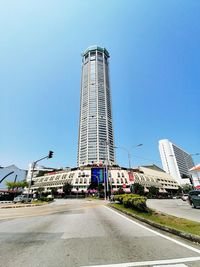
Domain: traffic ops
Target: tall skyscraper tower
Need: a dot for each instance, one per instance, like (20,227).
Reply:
(96,141)
(175,161)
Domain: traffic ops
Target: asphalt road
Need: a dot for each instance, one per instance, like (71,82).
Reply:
(176,207)
(86,233)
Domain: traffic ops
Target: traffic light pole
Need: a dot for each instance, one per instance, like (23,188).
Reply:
(50,155)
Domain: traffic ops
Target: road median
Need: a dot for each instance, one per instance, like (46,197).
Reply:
(181,227)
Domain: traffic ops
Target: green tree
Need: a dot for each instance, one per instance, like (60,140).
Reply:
(40,190)
(137,188)
(186,188)
(67,188)
(12,185)
(180,190)
(153,191)
(54,191)
(22,184)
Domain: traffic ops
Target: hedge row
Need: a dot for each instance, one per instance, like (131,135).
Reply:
(132,201)
(47,199)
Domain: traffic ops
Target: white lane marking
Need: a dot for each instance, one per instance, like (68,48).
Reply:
(146,263)
(155,232)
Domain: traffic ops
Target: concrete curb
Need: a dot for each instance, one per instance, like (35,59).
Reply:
(193,238)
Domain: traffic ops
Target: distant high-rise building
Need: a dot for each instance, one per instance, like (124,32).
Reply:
(175,161)
(96,140)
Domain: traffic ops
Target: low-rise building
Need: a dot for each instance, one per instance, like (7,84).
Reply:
(154,176)
(38,170)
(81,177)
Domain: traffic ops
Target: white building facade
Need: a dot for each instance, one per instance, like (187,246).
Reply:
(96,140)
(81,178)
(34,172)
(175,161)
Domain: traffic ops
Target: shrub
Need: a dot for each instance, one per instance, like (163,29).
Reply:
(46,199)
(139,203)
(132,201)
(119,198)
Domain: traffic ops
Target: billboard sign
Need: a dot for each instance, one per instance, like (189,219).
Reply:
(97,175)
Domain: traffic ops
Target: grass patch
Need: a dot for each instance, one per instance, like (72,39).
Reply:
(38,202)
(173,222)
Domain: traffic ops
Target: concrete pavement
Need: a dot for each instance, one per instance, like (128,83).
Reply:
(175,207)
(86,233)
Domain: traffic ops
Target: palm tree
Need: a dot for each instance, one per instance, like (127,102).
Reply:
(13,185)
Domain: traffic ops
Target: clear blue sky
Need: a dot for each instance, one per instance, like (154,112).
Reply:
(154,68)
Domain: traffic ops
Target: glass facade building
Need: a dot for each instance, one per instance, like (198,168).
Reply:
(96,140)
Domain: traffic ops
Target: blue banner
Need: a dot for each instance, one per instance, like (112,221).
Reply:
(97,175)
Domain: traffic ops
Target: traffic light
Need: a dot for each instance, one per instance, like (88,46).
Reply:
(50,154)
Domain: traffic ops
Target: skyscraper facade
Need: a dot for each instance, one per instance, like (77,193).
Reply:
(96,140)
(175,161)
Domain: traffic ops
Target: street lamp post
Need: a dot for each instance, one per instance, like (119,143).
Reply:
(50,155)
(129,152)
(106,143)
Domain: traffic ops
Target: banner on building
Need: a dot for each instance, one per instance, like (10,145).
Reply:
(131,176)
(98,175)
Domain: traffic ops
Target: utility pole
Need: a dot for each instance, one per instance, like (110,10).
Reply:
(50,155)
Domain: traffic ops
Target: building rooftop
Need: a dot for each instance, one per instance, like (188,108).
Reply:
(196,168)
(94,48)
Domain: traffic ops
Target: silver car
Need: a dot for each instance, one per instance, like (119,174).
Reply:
(22,199)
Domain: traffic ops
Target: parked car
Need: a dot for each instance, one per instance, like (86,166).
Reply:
(176,197)
(184,197)
(22,199)
(194,198)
